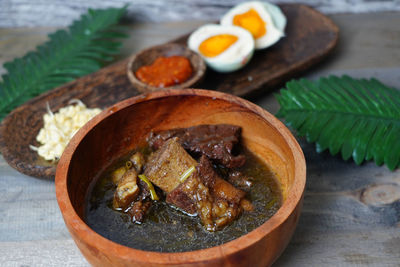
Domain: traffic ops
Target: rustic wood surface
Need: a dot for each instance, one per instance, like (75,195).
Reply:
(351,214)
(300,49)
(22,13)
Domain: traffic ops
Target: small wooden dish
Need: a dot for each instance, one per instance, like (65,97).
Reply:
(148,56)
(125,125)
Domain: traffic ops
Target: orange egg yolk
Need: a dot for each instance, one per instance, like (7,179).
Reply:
(217,44)
(252,22)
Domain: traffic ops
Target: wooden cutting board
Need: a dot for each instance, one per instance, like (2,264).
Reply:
(310,36)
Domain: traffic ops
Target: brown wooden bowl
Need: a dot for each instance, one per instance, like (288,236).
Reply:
(125,125)
(148,56)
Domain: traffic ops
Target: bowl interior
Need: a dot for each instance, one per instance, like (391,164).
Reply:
(126,126)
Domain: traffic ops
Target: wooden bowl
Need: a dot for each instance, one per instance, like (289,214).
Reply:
(148,56)
(123,126)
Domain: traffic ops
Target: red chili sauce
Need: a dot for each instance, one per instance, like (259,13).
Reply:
(165,71)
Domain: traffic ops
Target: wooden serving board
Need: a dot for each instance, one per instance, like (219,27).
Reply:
(310,36)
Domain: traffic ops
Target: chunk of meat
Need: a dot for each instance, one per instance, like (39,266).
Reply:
(138,210)
(202,199)
(225,212)
(224,190)
(166,166)
(204,193)
(144,190)
(158,139)
(218,186)
(215,141)
(179,198)
(131,195)
(213,199)
(117,174)
(239,180)
(127,190)
(206,172)
(138,161)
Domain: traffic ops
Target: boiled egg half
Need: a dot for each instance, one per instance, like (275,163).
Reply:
(224,48)
(263,20)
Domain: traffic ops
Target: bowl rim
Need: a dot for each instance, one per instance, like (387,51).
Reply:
(79,228)
(197,76)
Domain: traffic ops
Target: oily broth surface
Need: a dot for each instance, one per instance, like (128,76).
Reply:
(166,229)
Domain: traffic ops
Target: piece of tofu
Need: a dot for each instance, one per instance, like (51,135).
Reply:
(166,166)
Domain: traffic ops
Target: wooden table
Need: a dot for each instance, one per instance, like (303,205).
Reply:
(351,214)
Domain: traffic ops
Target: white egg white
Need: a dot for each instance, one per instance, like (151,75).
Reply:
(271,14)
(234,57)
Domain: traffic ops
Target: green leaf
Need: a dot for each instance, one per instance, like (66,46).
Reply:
(357,118)
(83,48)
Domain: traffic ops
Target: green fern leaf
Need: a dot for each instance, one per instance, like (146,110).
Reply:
(83,48)
(358,118)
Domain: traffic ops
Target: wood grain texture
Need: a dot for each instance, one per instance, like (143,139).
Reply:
(369,46)
(340,228)
(262,133)
(41,253)
(22,13)
(302,48)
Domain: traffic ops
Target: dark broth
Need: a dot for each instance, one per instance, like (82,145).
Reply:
(166,229)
